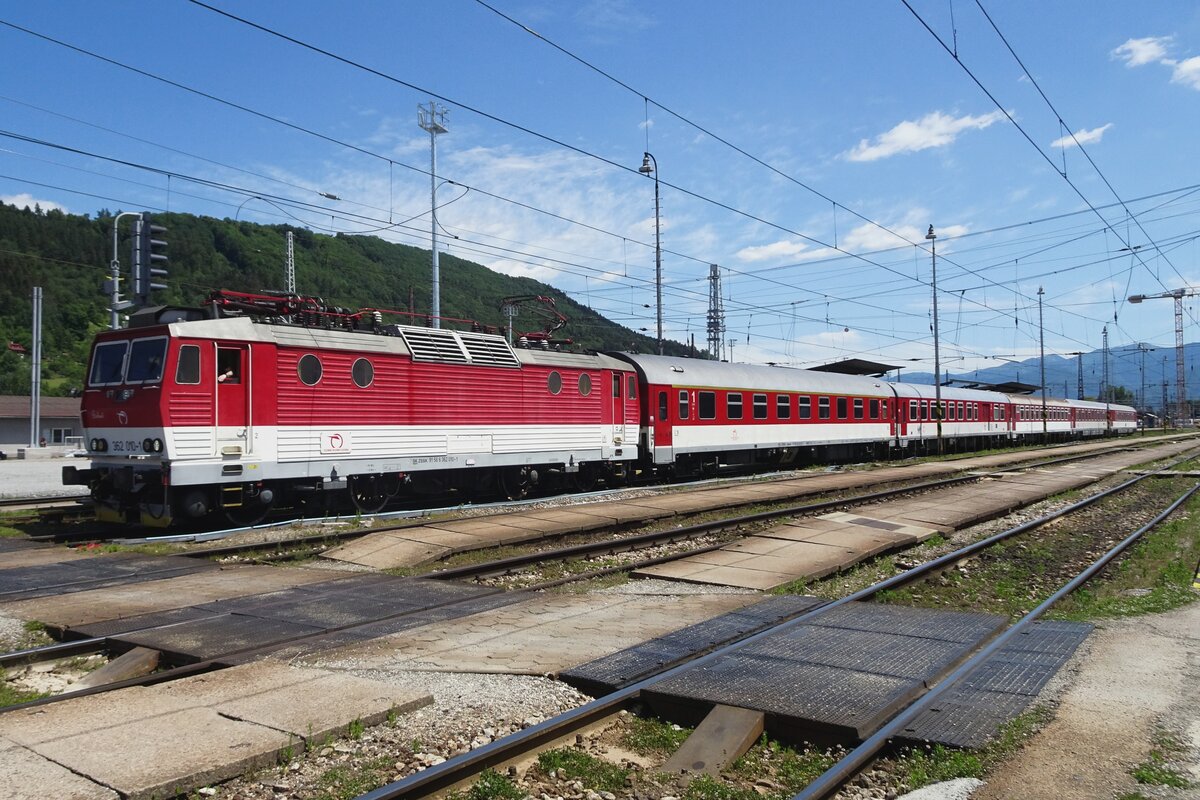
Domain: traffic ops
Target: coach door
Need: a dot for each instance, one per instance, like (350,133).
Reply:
(233,399)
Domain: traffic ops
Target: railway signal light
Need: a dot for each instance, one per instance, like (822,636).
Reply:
(149,258)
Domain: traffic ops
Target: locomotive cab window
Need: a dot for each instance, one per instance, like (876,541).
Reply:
(684,407)
(309,369)
(146,360)
(616,384)
(108,363)
(706,403)
(229,365)
(733,405)
(783,406)
(760,406)
(187,371)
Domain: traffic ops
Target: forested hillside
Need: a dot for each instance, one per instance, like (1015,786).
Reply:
(68,257)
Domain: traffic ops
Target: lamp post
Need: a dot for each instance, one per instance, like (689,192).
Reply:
(650,167)
(1042,363)
(937,353)
(433,120)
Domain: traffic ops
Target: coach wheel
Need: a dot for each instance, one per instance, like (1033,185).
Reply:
(370,493)
(517,482)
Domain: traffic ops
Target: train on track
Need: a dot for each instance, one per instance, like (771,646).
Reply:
(258,401)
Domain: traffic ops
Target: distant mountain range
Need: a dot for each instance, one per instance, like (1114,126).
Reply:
(1062,373)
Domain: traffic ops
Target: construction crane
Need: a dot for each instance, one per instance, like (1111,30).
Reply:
(1182,410)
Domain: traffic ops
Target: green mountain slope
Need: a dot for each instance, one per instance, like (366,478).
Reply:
(68,256)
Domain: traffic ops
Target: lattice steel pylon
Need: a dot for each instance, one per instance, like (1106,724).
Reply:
(716,314)
(1181,403)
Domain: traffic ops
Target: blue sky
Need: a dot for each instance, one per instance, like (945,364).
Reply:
(857,130)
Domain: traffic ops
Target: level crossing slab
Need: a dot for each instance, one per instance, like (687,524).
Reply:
(167,739)
(96,605)
(29,776)
(842,678)
(542,634)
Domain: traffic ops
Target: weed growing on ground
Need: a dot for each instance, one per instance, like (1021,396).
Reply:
(649,736)
(1157,769)
(706,787)
(490,786)
(344,782)
(792,769)
(11,695)
(595,773)
(356,728)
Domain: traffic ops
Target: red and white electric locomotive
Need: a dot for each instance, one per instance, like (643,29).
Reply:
(189,413)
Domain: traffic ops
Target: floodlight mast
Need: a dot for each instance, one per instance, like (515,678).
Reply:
(1181,403)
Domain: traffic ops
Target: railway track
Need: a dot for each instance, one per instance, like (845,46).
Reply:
(457,770)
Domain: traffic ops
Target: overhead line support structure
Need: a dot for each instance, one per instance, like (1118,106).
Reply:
(1181,403)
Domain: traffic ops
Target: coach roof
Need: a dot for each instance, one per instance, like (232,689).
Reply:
(679,371)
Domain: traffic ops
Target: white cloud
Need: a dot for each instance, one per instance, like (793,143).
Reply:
(1137,52)
(932,130)
(26,200)
(774,251)
(1186,72)
(869,238)
(1082,137)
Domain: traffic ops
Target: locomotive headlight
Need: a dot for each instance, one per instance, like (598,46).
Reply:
(157,446)
(94,445)
(102,445)
(124,395)
(147,444)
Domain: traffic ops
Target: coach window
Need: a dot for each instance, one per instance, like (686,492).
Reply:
(188,369)
(874,409)
(662,406)
(631,387)
(733,405)
(783,406)
(804,406)
(684,404)
(362,372)
(823,407)
(309,369)
(951,413)
(843,406)
(883,409)
(962,411)
(913,410)
(585,384)
(760,406)
(858,408)
(554,382)
(706,405)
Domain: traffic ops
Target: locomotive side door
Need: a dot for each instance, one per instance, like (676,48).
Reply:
(618,407)
(233,399)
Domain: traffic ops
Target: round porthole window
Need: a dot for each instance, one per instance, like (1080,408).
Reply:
(309,370)
(554,383)
(585,384)
(363,373)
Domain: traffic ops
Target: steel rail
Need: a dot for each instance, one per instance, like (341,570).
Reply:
(441,776)
(857,758)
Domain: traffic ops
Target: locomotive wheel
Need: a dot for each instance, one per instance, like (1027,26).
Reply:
(370,493)
(251,512)
(517,482)
(584,480)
